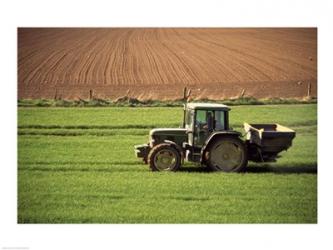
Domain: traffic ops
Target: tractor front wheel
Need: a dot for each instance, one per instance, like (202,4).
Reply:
(164,157)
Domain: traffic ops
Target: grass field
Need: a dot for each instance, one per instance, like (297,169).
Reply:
(76,165)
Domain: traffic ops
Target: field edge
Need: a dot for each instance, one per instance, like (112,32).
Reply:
(134,102)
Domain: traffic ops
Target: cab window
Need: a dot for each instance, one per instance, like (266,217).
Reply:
(201,116)
(204,119)
(219,120)
(210,119)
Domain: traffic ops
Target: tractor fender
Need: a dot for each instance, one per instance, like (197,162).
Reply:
(213,136)
(177,147)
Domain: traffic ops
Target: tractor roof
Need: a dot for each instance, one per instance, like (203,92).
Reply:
(201,105)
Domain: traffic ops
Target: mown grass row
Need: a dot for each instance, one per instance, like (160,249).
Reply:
(122,131)
(113,121)
(68,118)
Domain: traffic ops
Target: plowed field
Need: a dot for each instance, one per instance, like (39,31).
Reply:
(156,63)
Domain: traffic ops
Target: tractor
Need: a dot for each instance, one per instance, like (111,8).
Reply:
(207,138)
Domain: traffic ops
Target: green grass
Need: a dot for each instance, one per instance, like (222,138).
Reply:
(76,165)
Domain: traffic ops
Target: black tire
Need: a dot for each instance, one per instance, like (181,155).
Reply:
(164,157)
(228,154)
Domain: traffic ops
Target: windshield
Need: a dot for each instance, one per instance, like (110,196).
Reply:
(214,120)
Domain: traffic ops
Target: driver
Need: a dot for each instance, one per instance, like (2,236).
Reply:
(209,122)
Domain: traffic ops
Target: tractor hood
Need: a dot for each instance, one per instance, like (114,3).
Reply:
(177,135)
(167,131)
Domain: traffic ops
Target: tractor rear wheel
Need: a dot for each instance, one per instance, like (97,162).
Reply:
(164,157)
(227,154)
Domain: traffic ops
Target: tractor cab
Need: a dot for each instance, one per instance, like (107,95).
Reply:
(203,119)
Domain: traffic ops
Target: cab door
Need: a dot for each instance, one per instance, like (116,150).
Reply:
(203,126)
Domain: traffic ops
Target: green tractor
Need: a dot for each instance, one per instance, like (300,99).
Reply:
(207,138)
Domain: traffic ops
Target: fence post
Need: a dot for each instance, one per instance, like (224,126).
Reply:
(242,93)
(309,89)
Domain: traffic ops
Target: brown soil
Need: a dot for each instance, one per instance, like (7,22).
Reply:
(156,63)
